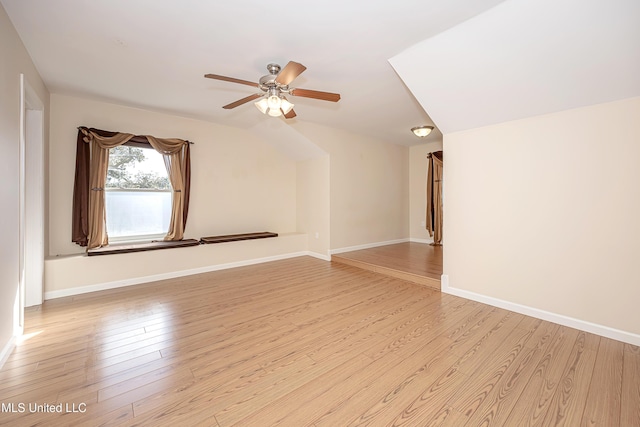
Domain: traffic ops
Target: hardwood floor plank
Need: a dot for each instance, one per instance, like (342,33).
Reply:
(440,384)
(447,416)
(380,405)
(113,418)
(268,350)
(142,380)
(343,398)
(299,397)
(504,396)
(240,401)
(113,374)
(543,383)
(567,404)
(414,258)
(602,406)
(434,310)
(406,332)
(114,403)
(489,372)
(489,330)
(630,399)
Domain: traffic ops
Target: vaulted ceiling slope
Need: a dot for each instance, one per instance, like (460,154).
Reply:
(153,54)
(524,58)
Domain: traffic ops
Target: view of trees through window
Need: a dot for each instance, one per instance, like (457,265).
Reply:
(137,194)
(125,169)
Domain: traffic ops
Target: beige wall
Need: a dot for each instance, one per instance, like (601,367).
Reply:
(15,60)
(313,203)
(544,212)
(418,165)
(239,183)
(369,189)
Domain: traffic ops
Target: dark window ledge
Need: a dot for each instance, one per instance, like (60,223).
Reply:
(142,247)
(154,246)
(237,237)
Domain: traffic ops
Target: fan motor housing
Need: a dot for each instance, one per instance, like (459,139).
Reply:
(273,68)
(269,81)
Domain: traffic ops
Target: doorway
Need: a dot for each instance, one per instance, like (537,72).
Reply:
(31,258)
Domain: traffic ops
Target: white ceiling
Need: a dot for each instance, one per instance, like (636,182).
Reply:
(153,54)
(468,63)
(524,58)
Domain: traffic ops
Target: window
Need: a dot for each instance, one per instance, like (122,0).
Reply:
(137,194)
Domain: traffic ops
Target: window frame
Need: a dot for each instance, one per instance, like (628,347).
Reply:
(137,238)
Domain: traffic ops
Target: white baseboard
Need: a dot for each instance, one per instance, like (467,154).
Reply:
(6,351)
(415,240)
(366,246)
(174,274)
(319,256)
(560,319)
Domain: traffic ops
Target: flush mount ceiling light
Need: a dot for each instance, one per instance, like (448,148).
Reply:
(422,131)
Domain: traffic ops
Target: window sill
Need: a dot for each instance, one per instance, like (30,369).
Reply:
(125,248)
(237,237)
(141,247)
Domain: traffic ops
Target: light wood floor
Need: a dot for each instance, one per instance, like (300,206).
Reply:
(416,262)
(304,342)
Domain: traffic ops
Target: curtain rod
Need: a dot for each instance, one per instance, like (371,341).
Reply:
(187,141)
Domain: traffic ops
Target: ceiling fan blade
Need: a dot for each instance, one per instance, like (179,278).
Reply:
(242,101)
(290,115)
(231,79)
(290,72)
(315,94)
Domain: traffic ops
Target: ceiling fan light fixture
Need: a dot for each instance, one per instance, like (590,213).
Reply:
(286,106)
(422,131)
(262,105)
(274,102)
(274,107)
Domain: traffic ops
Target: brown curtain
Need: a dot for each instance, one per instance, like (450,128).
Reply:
(92,158)
(99,146)
(176,153)
(434,197)
(80,221)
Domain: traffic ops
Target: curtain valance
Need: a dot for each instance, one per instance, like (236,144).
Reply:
(112,139)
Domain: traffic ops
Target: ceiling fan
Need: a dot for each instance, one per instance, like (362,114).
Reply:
(274,86)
